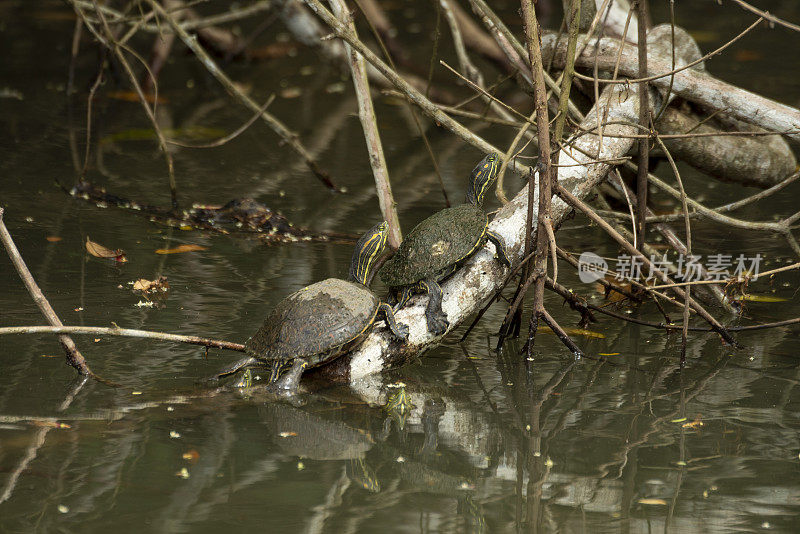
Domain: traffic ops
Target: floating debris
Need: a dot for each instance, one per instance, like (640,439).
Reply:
(180,249)
(151,286)
(99,251)
(653,501)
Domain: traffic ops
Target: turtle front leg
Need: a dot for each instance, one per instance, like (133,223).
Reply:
(434,315)
(276,369)
(290,381)
(399,330)
(499,246)
(229,370)
(405,295)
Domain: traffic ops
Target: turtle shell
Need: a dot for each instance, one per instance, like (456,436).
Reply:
(317,323)
(440,241)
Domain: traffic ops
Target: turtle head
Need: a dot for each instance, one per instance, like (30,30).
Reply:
(482,177)
(368,249)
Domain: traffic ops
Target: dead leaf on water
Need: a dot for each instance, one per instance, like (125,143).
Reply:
(747,55)
(273,51)
(151,286)
(291,92)
(660,502)
(705,36)
(180,249)
(694,425)
(49,424)
(132,96)
(99,251)
(763,298)
(574,332)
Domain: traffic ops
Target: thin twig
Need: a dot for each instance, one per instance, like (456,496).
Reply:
(369,124)
(231,136)
(115,46)
(644,122)
(74,357)
(123,332)
(277,126)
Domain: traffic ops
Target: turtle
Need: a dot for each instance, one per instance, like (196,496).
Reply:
(320,322)
(440,244)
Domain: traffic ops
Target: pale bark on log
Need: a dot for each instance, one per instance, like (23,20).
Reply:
(612,20)
(752,161)
(690,84)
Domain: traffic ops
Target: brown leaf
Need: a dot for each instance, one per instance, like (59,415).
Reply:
(291,92)
(179,249)
(574,332)
(762,298)
(99,251)
(272,51)
(132,96)
(694,425)
(54,238)
(652,500)
(747,55)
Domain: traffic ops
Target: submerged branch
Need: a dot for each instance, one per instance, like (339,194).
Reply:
(123,332)
(276,125)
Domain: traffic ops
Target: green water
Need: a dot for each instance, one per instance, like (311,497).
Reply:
(494,443)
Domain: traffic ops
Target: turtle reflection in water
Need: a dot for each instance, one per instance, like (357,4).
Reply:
(304,434)
(440,244)
(322,321)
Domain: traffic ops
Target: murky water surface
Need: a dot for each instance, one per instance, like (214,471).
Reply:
(493,443)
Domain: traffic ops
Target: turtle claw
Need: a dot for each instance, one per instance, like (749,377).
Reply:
(503,260)
(437,325)
(403,330)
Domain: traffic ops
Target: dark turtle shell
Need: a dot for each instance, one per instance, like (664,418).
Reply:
(442,240)
(317,323)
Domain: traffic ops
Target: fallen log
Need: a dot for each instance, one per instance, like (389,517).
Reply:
(691,84)
(472,285)
(755,160)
